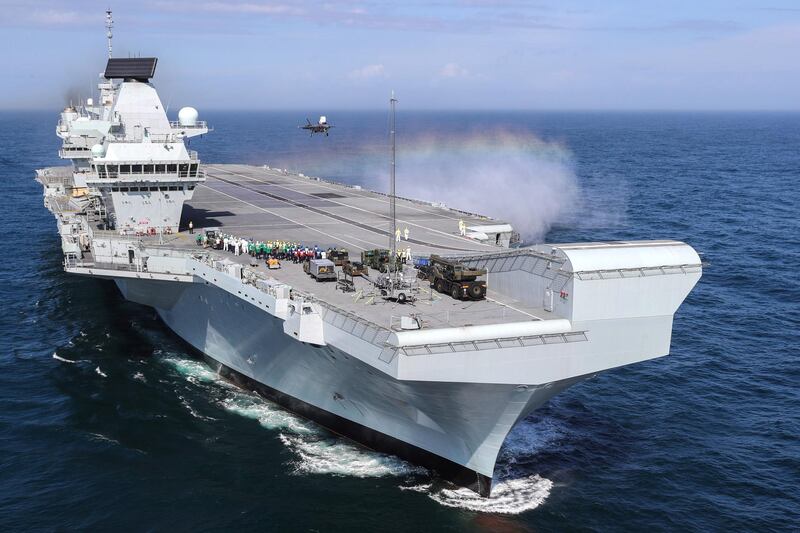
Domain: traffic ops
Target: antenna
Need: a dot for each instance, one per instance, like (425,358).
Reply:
(109,26)
(393,200)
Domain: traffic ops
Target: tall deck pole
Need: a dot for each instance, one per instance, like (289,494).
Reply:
(392,198)
(109,26)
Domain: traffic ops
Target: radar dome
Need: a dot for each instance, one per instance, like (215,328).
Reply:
(98,150)
(187,116)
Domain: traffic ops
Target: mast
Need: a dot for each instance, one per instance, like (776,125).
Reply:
(109,26)
(392,199)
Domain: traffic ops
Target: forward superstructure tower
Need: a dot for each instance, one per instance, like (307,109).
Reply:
(127,152)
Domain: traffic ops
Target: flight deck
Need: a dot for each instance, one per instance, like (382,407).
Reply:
(270,204)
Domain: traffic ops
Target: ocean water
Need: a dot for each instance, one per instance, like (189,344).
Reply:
(106,421)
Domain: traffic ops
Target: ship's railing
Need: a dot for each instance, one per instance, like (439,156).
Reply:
(138,138)
(199,125)
(494,344)
(74,262)
(638,272)
(354,324)
(528,260)
(199,174)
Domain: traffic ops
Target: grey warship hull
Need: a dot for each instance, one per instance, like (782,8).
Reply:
(421,422)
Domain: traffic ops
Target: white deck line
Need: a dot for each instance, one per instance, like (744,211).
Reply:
(498,302)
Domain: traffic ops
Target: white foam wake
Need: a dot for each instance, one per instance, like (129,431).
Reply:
(100,372)
(194,371)
(59,358)
(268,414)
(509,496)
(337,457)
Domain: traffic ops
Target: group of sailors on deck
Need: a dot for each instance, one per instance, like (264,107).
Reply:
(277,249)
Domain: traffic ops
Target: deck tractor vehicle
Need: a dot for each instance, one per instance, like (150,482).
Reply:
(457,280)
(339,256)
(355,268)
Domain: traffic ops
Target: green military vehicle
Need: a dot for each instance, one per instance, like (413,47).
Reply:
(459,281)
(379,259)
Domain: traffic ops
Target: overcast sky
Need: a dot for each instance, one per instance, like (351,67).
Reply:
(437,54)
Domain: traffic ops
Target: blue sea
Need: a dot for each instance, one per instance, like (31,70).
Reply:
(108,423)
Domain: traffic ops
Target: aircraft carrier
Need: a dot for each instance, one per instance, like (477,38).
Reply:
(436,380)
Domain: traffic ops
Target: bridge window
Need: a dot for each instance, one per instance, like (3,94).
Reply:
(149,169)
(136,169)
(152,189)
(172,168)
(124,169)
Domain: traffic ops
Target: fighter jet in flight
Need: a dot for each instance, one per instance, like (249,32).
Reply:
(320,127)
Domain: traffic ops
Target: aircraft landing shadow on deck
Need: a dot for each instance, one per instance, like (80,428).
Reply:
(203,218)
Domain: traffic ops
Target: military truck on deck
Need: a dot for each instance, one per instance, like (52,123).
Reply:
(379,259)
(457,280)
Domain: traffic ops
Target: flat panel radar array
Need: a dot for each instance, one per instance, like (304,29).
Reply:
(131,68)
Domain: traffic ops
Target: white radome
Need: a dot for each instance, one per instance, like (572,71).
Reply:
(98,150)
(187,116)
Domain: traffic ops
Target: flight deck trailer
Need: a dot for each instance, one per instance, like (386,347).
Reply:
(320,269)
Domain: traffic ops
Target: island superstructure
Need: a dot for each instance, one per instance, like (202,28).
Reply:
(437,381)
